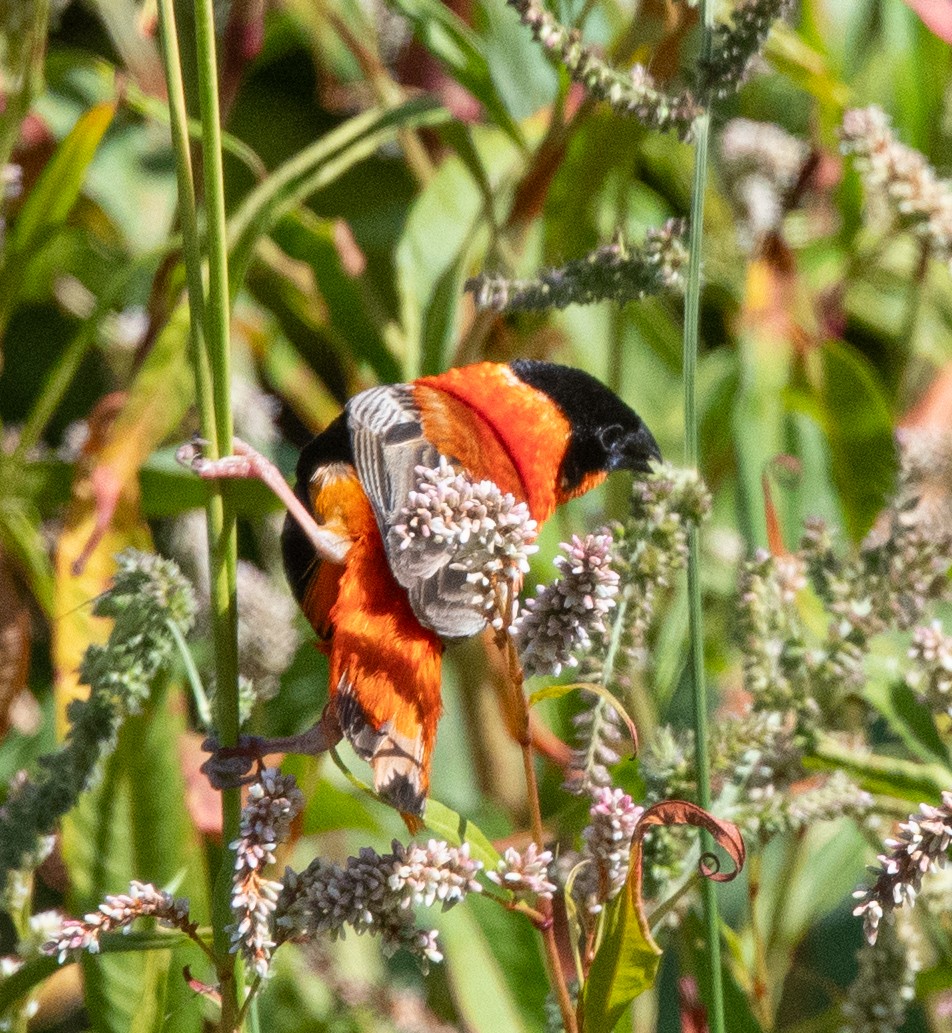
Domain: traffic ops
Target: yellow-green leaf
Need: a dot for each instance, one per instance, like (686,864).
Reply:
(625,965)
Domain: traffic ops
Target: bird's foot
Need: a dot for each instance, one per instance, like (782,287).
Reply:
(246,463)
(228,767)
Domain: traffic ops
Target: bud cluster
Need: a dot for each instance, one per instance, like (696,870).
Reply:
(619,271)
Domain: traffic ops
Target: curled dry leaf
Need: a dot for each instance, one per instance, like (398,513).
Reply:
(725,834)
(626,962)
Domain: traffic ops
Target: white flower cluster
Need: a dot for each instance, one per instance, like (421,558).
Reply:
(525,873)
(273,803)
(117,911)
(920,847)
(489,534)
(614,816)
(931,679)
(375,893)
(564,617)
(600,739)
(885,985)
(901,176)
(762,163)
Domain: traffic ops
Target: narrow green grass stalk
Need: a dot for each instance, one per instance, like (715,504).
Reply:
(178,121)
(692,308)
(219,544)
(215,408)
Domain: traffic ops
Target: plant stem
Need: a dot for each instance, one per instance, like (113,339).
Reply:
(692,308)
(212,381)
(178,118)
(893,776)
(516,678)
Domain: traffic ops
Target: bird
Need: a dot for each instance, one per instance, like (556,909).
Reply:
(541,432)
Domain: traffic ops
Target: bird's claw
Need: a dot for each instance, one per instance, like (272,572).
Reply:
(191,455)
(229,767)
(244,462)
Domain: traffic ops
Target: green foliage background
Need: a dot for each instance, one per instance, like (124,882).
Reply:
(360,199)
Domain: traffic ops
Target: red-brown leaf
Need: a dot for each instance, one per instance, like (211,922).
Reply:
(725,834)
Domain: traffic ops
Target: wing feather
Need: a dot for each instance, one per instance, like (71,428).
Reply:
(388,445)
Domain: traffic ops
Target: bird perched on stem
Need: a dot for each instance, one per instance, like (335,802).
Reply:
(378,561)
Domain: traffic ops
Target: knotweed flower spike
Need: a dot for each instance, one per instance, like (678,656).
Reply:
(274,801)
(118,911)
(525,873)
(613,818)
(736,46)
(920,847)
(148,597)
(565,616)
(488,533)
(762,164)
(634,94)
(900,178)
(931,675)
(879,996)
(375,893)
(620,271)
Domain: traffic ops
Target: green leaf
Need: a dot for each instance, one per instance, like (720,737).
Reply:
(625,965)
(330,808)
(906,717)
(57,189)
(476,980)
(97,846)
(557,691)
(135,825)
(451,41)
(736,1003)
(856,416)
(168,849)
(315,167)
(50,202)
(306,238)
(431,259)
(456,829)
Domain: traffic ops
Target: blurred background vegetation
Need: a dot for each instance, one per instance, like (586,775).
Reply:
(822,332)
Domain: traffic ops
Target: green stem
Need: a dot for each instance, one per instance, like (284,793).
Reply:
(224,552)
(211,363)
(692,309)
(178,120)
(194,678)
(875,773)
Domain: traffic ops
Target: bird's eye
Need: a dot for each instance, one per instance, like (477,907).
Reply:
(610,436)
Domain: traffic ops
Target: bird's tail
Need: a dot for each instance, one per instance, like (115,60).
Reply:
(385,680)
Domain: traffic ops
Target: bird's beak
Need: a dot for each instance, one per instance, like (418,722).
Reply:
(636,451)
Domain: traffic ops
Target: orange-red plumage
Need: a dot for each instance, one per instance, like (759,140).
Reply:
(530,428)
(542,433)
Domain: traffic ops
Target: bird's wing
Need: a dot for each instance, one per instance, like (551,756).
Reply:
(388,445)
